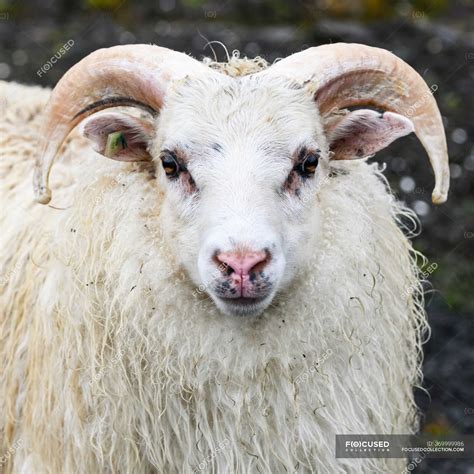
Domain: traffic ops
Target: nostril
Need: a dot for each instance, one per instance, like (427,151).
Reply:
(242,262)
(221,264)
(260,265)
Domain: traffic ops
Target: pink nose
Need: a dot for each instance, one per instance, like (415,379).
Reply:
(244,262)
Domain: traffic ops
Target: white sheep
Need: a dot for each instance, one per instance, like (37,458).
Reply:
(232,297)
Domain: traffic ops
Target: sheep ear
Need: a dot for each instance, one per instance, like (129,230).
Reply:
(119,136)
(364,132)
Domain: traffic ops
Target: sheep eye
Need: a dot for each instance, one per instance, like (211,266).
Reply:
(307,166)
(170,165)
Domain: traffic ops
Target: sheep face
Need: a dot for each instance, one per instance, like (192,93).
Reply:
(240,161)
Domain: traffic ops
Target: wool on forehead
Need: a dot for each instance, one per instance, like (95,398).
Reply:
(235,66)
(271,112)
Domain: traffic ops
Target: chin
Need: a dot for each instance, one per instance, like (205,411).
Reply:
(243,307)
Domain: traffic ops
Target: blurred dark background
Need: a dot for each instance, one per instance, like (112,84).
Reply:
(435,36)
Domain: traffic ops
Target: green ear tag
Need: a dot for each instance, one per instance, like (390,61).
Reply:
(115,143)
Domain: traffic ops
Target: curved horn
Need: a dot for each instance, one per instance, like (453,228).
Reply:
(347,75)
(131,75)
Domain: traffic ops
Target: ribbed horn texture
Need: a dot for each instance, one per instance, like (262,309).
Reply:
(345,75)
(132,75)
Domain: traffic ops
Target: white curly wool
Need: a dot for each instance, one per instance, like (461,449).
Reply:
(111,361)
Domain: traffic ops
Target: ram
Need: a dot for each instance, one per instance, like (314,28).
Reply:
(233,287)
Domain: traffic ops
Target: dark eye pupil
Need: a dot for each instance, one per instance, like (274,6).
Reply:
(170,165)
(308,165)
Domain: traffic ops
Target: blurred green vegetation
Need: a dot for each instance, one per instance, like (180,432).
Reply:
(242,11)
(104,4)
(283,11)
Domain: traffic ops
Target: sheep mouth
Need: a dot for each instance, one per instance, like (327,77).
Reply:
(243,301)
(243,306)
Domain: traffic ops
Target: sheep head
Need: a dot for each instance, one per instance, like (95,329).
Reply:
(241,159)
